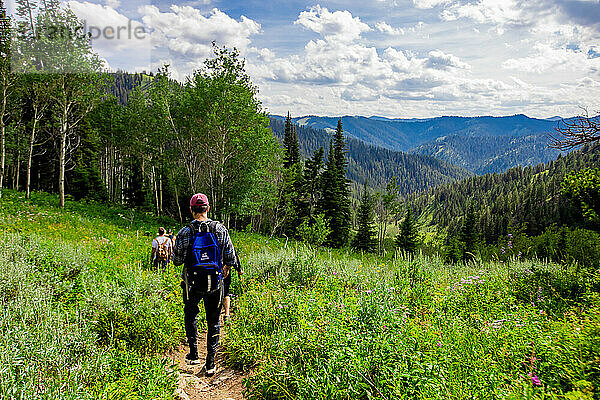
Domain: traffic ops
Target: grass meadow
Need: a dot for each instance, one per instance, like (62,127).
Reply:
(82,316)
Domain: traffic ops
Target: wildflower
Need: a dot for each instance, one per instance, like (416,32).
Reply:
(510,235)
(535,380)
(439,344)
(502,250)
(369,292)
(509,244)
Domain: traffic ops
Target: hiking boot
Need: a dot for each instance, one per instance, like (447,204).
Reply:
(210,366)
(192,357)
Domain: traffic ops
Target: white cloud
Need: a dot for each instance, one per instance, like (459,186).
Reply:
(498,12)
(356,72)
(439,60)
(588,82)
(187,33)
(388,29)
(337,25)
(556,59)
(424,4)
(113,3)
(114,37)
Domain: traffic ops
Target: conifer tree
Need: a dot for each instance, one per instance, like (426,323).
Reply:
(312,175)
(292,200)
(408,238)
(365,238)
(468,234)
(290,142)
(335,201)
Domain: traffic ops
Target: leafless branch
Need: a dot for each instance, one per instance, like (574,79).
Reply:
(576,132)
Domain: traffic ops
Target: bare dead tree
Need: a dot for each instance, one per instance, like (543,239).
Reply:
(575,132)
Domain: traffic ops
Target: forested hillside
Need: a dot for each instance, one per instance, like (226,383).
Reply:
(528,197)
(486,154)
(479,144)
(123,83)
(376,165)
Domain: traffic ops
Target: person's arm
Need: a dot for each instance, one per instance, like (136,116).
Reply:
(238,265)
(227,250)
(181,244)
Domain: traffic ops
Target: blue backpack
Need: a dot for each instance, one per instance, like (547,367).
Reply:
(203,268)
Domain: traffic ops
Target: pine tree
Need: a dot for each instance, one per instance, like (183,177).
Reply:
(312,175)
(365,238)
(26,9)
(468,234)
(335,202)
(408,238)
(290,142)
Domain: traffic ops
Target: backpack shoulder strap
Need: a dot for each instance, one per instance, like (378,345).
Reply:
(212,225)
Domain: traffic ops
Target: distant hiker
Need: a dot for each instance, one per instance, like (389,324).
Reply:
(162,248)
(206,251)
(226,293)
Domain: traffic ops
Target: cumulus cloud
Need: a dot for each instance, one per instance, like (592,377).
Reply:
(439,60)
(114,36)
(424,4)
(187,32)
(388,29)
(358,72)
(499,12)
(551,14)
(556,59)
(337,25)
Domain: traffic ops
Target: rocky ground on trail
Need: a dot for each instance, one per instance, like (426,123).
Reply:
(193,384)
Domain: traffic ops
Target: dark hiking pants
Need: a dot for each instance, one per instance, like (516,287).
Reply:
(212,307)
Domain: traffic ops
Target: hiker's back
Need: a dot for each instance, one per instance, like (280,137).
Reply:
(203,264)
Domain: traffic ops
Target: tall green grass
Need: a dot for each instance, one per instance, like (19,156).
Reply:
(330,325)
(81,314)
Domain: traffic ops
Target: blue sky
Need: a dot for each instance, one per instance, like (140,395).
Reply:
(394,58)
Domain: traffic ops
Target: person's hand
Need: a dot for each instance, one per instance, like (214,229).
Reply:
(226,270)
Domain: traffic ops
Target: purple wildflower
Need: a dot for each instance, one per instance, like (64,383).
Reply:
(502,250)
(535,380)
(439,344)
(510,236)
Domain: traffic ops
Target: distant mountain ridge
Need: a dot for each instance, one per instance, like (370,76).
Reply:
(479,144)
(376,165)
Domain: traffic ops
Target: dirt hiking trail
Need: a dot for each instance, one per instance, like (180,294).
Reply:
(193,384)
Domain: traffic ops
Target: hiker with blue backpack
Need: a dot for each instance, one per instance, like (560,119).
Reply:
(207,254)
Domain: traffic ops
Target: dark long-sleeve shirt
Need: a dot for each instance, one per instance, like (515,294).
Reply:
(184,240)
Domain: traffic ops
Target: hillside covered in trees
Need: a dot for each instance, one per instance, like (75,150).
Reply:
(529,198)
(377,166)
(479,144)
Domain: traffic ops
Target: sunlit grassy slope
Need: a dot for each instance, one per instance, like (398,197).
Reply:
(83,316)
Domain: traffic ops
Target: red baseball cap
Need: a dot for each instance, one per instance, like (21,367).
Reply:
(199,199)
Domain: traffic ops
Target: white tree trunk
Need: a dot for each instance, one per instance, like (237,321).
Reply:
(3,131)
